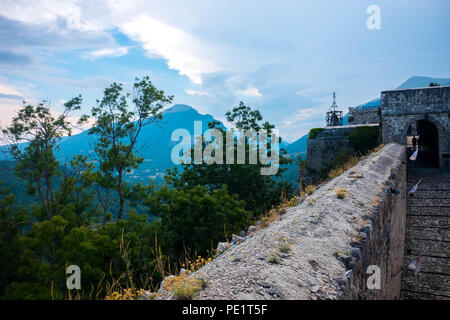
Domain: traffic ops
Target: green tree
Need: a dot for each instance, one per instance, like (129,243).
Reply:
(260,192)
(12,224)
(117,129)
(36,162)
(195,218)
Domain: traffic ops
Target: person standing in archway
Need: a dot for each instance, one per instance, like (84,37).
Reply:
(420,142)
(414,141)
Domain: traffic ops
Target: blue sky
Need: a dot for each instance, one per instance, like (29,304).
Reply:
(283,57)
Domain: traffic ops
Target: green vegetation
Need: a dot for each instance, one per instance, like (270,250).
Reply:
(72,221)
(314,132)
(362,139)
(284,247)
(274,259)
(260,192)
(118,128)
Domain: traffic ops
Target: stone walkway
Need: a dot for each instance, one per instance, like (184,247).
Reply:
(428,234)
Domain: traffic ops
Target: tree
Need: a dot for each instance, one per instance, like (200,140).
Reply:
(12,222)
(33,136)
(196,219)
(260,192)
(117,129)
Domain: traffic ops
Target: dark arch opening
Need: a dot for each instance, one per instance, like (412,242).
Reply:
(428,144)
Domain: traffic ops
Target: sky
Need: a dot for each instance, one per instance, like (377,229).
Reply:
(284,58)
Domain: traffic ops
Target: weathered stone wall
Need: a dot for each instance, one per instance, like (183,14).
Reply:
(402,108)
(331,241)
(328,144)
(381,241)
(364,116)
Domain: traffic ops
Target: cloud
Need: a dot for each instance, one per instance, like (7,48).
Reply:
(182,51)
(251,92)
(9,91)
(304,114)
(102,53)
(196,93)
(83,16)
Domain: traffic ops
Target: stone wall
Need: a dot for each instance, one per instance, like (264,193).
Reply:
(328,144)
(402,108)
(363,116)
(381,241)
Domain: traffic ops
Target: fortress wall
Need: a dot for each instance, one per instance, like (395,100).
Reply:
(328,144)
(366,116)
(381,242)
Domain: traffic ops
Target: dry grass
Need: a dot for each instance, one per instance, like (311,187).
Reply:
(341,193)
(310,189)
(376,201)
(184,287)
(351,162)
(274,259)
(273,214)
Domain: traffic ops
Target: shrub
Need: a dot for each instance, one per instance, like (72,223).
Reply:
(274,259)
(310,189)
(184,286)
(341,193)
(314,132)
(363,139)
(284,247)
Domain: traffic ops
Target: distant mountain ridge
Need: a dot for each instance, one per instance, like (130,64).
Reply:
(154,143)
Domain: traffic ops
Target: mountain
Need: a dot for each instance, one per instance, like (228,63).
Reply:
(419,82)
(298,146)
(154,143)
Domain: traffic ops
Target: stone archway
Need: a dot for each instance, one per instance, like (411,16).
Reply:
(424,135)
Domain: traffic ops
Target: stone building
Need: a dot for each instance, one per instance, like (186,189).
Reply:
(423,113)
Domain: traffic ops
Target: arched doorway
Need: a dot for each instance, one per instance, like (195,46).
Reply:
(428,144)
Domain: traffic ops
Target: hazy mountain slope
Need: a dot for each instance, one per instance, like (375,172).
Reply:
(419,82)
(154,143)
(298,146)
